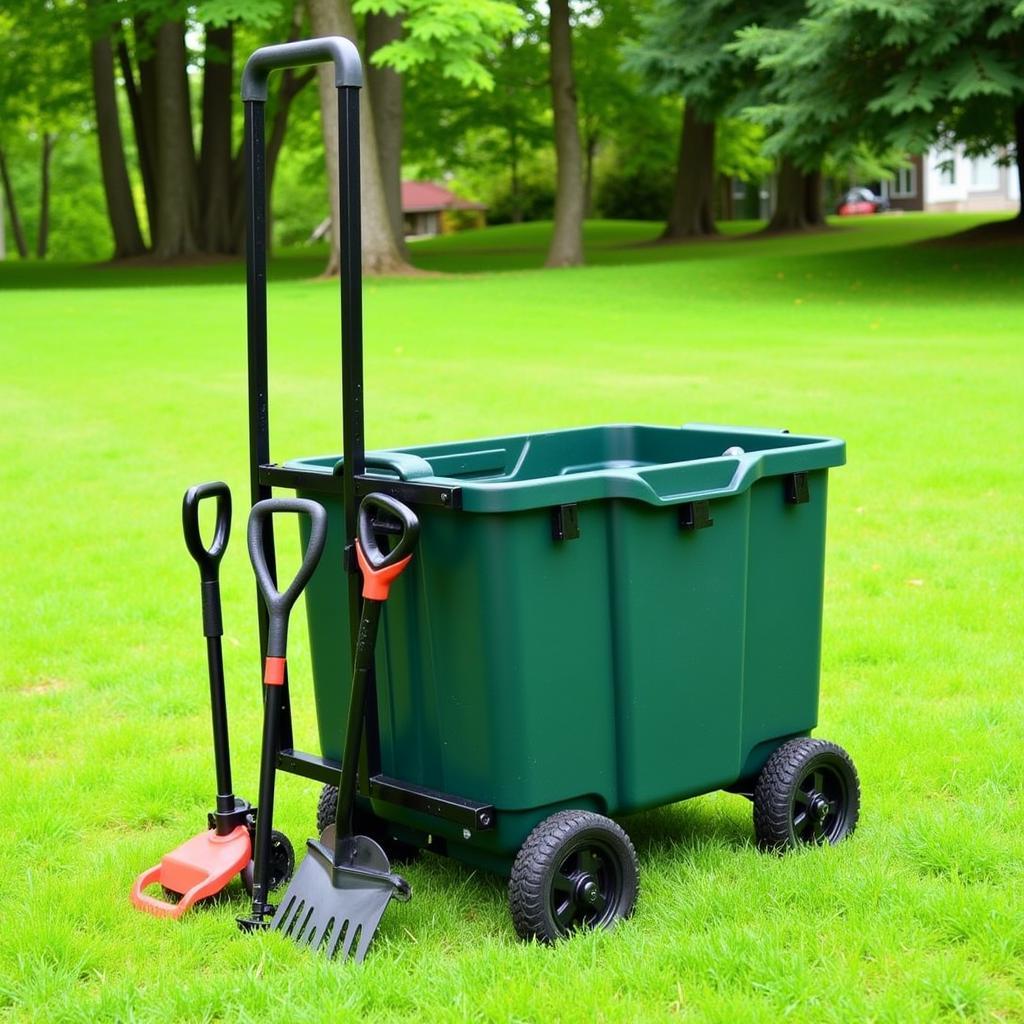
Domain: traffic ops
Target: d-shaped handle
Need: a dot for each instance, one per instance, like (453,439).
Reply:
(279,603)
(207,558)
(381,568)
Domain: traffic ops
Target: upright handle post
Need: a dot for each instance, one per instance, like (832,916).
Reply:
(348,79)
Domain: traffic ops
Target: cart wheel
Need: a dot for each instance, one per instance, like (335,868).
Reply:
(807,792)
(576,870)
(282,862)
(366,824)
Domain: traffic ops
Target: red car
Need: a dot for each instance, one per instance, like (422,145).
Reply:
(859,201)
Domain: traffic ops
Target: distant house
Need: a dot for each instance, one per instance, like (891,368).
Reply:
(947,181)
(429,209)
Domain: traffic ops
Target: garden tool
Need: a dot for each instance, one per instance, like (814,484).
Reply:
(278,605)
(342,888)
(203,865)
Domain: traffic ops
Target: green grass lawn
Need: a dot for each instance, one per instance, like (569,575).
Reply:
(121,387)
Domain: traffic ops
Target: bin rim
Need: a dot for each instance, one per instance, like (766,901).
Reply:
(659,485)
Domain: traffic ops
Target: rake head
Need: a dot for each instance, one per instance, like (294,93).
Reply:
(337,907)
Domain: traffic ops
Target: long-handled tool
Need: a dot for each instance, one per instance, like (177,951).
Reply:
(342,888)
(278,606)
(203,865)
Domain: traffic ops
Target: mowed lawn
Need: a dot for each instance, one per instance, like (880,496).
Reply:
(118,388)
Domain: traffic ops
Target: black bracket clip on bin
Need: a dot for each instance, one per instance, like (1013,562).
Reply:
(263,474)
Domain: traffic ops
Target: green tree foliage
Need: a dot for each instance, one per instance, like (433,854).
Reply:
(687,49)
(896,74)
(489,138)
(43,103)
(455,36)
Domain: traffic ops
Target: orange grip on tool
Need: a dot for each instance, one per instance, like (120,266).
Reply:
(273,672)
(377,582)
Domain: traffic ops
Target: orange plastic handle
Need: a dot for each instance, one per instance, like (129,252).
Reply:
(161,908)
(377,582)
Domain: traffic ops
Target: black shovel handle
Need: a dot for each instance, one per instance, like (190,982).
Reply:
(279,603)
(394,509)
(208,558)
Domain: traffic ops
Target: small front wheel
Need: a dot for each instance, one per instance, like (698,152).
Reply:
(576,870)
(807,792)
(282,863)
(364,823)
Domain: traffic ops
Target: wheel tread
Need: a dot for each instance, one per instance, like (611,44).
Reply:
(780,775)
(527,890)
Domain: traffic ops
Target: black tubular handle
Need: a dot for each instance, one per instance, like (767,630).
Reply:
(279,603)
(348,69)
(410,527)
(207,558)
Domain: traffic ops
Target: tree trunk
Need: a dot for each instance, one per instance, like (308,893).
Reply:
(215,149)
(43,232)
(1018,135)
(692,213)
(117,188)
(12,209)
(177,202)
(588,174)
(141,103)
(385,87)
(726,203)
(814,198)
(513,148)
(799,199)
(380,250)
(567,239)
(291,85)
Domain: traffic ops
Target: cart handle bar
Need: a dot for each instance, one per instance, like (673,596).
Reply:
(279,603)
(341,52)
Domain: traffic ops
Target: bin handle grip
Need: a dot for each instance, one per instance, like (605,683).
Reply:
(404,464)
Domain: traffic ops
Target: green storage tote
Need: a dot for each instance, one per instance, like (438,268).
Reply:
(617,617)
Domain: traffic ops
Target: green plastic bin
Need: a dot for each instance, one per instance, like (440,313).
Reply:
(617,617)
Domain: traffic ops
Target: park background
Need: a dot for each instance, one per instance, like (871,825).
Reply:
(621,278)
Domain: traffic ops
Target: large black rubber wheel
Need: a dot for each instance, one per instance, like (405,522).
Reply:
(807,792)
(282,863)
(365,824)
(576,870)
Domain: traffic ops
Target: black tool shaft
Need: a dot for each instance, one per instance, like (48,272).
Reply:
(366,642)
(219,716)
(265,815)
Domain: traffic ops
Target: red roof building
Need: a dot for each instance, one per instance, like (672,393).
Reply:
(430,209)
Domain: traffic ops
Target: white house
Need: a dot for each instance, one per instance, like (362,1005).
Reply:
(945,180)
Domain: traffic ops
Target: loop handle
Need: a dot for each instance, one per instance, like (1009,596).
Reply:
(381,568)
(207,558)
(279,603)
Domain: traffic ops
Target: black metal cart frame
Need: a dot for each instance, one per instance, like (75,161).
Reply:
(353,482)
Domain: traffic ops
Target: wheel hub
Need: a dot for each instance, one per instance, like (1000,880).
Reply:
(588,892)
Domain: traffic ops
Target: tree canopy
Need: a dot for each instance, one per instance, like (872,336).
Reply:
(123,112)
